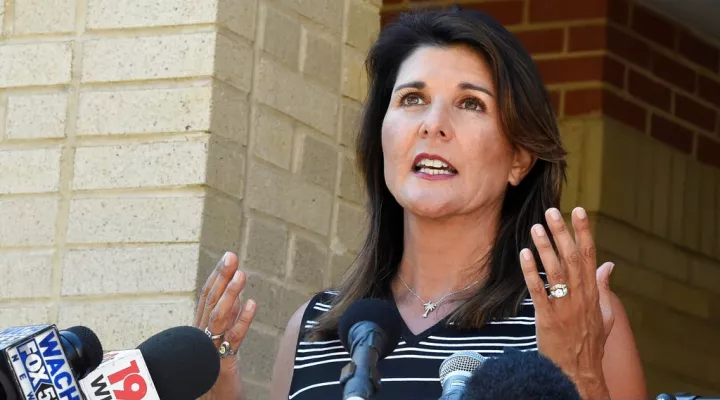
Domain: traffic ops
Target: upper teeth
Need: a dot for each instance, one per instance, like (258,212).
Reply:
(426,162)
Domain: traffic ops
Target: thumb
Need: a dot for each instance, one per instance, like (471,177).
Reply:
(602,275)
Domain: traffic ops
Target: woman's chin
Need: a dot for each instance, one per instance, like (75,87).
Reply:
(426,208)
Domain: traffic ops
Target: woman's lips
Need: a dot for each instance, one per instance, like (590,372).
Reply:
(433,167)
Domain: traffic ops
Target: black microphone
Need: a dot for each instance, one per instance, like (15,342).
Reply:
(456,370)
(683,396)
(369,330)
(40,362)
(179,363)
(518,375)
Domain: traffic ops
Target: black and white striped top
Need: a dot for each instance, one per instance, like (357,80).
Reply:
(411,371)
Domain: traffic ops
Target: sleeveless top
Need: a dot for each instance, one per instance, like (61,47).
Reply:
(412,370)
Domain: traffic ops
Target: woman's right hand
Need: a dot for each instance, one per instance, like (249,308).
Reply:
(217,311)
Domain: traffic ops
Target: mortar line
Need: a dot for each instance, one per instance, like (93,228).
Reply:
(132,32)
(67,163)
(252,110)
(139,139)
(3,115)
(332,230)
(8,20)
(104,298)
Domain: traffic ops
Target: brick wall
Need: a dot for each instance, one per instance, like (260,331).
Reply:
(637,100)
(616,58)
(139,140)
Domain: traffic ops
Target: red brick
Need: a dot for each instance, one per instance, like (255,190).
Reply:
(614,72)
(651,91)
(708,151)
(564,10)
(694,112)
(671,134)
(590,37)
(507,12)
(583,101)
(653,27)
(388,16)
(709,89)
(673,72)
(624,111)
(577,69)
(392,1)
(542,40)
(628,47)
(619,11)
(698,51)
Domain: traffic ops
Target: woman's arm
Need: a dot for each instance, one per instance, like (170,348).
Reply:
(284,362)
(621,362)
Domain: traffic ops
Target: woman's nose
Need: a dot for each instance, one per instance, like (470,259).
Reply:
(437,122)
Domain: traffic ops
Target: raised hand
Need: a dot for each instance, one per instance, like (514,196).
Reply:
(218,313)
(574,321)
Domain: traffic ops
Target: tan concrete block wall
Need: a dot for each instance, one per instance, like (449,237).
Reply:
(104,146)
(140,140)
(655,214)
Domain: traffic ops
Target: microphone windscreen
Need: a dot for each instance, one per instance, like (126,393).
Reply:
(183,362)
(461,361)
(372,310)
(518,375)
(88,348)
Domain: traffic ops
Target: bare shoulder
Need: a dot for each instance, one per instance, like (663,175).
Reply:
(621,364)
(283,369)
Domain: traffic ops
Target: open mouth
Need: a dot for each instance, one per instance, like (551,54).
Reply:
(433,165)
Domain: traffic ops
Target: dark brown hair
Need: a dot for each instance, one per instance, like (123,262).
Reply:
(526,117)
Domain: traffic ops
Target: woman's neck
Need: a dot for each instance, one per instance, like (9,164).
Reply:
(443,256)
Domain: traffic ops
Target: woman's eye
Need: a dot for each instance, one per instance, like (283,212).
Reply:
(473,104)
(411,100)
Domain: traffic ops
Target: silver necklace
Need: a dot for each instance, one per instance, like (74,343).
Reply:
(429,305)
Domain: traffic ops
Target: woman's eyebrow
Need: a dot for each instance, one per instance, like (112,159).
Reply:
(462,85)
(472,86)
(413,84)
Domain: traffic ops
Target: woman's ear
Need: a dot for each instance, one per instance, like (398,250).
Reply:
(523,161)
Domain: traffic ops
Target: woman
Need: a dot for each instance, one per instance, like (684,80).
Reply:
(463,166)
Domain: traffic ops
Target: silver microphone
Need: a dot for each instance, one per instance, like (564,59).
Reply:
(456,370)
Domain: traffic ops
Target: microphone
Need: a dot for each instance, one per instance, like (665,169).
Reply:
(179,363)
(456,370)
(683,396)
(520,375)
(369,330)
(40,362)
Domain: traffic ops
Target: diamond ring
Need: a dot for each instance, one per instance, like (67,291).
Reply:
(213,336)
(559,290)
(225,350)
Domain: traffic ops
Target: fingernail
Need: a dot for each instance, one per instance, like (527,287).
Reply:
(581,213)
(226,259)
(612,267)
(249,305)
(236,277)
(526,254)
(555,214)
(539,231)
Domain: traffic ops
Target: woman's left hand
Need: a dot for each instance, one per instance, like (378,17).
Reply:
(571,329)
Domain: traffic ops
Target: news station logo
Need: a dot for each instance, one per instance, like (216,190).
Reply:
(42,369)
(12,335)
(122,375)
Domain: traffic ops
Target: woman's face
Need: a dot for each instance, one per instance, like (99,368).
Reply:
(444,151)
